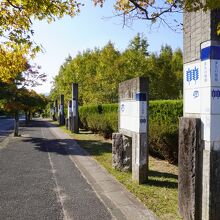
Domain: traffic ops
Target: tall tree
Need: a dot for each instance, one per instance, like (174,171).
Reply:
(165,73)
(12,63)
(139,43)
(98,73)
(13,94)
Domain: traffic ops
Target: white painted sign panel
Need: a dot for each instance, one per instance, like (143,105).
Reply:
(192,93)
(52,111)
(69,111)
(210,73)
(133,116)
(74,108)
(215,72)
(61,109)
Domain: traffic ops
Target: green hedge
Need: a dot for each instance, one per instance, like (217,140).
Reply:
(163,128)
(163,125)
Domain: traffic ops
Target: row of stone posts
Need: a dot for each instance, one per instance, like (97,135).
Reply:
(129,148)
(58,113)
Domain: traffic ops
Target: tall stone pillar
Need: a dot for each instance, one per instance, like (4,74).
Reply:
(133,123)
(202,99)
(75,111)
(61,116)
(55,110)
(69,115)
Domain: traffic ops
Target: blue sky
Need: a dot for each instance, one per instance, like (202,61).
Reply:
(93,27)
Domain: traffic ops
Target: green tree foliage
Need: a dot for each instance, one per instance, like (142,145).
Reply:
(99,72)
(15,97)
(139,44)
(166,74)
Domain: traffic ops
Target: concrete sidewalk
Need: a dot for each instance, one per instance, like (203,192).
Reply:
(121,203)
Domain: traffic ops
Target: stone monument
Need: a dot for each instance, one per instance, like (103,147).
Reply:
(55,110)
(201,101)
(69,124)
(75,111)
(61,111)
(130,144)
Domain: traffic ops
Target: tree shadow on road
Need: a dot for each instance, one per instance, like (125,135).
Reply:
(67,146)
(39,123)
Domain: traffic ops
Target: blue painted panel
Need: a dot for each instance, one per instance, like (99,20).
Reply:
(212,52)
(141,96)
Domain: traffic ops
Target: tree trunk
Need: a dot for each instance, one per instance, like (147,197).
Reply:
(29,116)
(26,117)
(16,124)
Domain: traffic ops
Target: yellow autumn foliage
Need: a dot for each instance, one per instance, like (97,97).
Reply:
(12,63)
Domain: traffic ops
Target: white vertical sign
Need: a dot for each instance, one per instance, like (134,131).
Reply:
(74,108)
(133,115)
(192,90)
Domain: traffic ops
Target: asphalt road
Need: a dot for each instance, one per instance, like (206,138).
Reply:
(6,126)
(38,180)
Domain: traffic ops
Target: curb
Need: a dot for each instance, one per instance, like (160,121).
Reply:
(122,204)
(5,142)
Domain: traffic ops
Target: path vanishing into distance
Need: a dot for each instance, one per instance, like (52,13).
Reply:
(40,179)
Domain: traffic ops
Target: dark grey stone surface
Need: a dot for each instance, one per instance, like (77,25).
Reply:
(121,152)
(215,185)
(199,27)
(55,115)
(127,91)
(190,174)
(140,158)
(67,123)
(128,88)
(75,119)
(61,115)
(127,155)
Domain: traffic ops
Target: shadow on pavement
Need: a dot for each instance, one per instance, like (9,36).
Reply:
(37,123)
(58,146)
(95,148)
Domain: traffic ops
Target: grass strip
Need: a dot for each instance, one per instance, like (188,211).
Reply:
(159,194)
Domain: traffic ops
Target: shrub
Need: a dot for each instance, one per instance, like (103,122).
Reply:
(163,128)
(87,112)
(163,125)
(110,108)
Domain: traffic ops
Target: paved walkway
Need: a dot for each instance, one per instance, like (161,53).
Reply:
(45,175)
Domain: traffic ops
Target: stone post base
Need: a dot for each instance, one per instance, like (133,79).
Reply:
(67,123)
(190,168)
(121,152)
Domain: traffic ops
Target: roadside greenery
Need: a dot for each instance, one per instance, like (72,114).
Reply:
(21,100)
(98,72)
(163,125)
